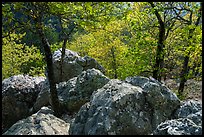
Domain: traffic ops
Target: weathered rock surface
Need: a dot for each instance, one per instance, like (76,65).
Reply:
(138,106)
(18,95)
(78,90)
(159,97)
(187,108)
(181,126)
(73,65)
(121,108)
(137,80)
(43,97)
(188,120)
(41,123)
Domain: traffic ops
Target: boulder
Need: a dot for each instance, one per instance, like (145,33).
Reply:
(181,126)
(78,90)
(18,96)
(41,123)
(187,120)
(43,97)
(87,63)
(119,108)
(73,65)
(161,99)
(187,108)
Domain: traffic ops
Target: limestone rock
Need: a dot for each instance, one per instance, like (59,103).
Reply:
(18,96)
(162,101)
(190,109)
(187,108)
(78,90)
(181,126)
(41,123)
(43,97)
(73,65)
(188,120)
(87,63)
(119,108)
(137,80)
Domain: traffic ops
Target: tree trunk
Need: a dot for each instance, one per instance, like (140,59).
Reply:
(53,91)
(62,57)
(65,38)
(56,106)
(184,71)
(160,48)
(183,75)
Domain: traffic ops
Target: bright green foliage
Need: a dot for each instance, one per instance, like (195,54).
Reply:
(20,59)
(122,37)
(99,44)
(132,56)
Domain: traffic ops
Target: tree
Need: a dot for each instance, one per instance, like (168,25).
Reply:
(184,71)
(159,55)
(83,14)
(36,12)
(106,46)
(20,59)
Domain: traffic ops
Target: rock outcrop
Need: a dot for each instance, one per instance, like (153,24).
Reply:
(73,65)
(19,94)
(41,123)
(76,91)
(119,108)
(188,120)
(43,97)
(181,126)
(136,106)
(187,108)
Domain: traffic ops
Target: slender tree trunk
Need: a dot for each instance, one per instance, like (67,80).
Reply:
(183,75)
(160,48)
(184,71)
(53,91)
(65,37)
(48,55)
(62,57)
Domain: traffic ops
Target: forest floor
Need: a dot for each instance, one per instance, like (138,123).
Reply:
(192,89)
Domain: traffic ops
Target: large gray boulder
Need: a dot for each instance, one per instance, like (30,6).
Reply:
(188,120)
(119,108)
(76,91)
(159,97)
(73,65)
(18,96)
(41,123)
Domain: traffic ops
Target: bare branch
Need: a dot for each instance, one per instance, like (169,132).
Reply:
(168,30)
(179,17)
